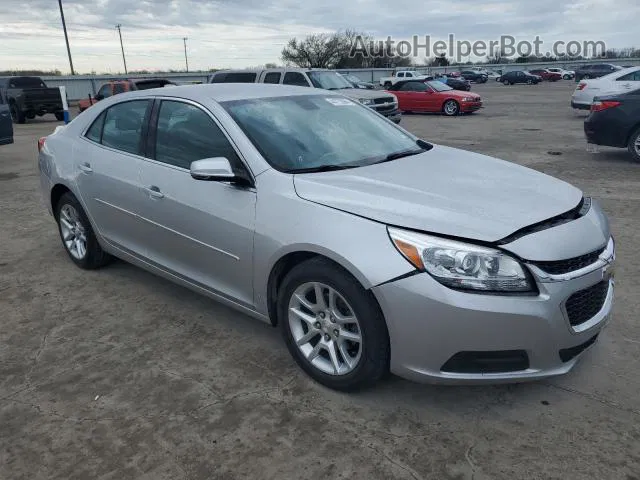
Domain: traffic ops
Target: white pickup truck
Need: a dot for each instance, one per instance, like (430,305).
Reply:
(403,75)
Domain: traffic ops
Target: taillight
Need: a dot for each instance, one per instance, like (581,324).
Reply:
(41,143)
(598,106)
(581,86)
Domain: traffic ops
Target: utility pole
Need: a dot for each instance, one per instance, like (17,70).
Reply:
(184,39)
(66,37)
(122,48)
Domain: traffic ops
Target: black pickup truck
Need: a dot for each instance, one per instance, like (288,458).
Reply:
(30,96)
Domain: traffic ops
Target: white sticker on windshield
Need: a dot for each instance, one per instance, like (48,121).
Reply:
(339,102)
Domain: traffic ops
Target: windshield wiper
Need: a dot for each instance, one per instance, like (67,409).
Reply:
(322,168)
(401,154)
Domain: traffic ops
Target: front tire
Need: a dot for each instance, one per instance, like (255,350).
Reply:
(567,77)
(505,82)
(634,145)
(332,326)
(77,234)
(530,82)
(387,85)
(451,108)
(17,115)
(59,116)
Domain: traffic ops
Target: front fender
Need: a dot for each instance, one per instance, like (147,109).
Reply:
(286,223)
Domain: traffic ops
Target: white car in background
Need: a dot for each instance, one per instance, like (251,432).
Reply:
(566,74)
(620,81)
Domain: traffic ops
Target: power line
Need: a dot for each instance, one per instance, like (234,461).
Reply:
(66,37)
(186,61)
(122,48)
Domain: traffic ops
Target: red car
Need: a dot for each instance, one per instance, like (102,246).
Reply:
(435,97)
(547,75)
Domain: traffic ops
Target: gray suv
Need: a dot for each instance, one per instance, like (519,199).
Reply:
(384,103)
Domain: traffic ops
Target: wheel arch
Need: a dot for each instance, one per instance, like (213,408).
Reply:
(287,260)
(632,130)
(58,190)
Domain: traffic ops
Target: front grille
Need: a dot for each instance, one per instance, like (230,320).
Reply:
(388,109)
(501,361)
(559,267)
(382,100)
(585,304)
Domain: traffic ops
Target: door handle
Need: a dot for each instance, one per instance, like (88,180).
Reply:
(85,167)
(155,192)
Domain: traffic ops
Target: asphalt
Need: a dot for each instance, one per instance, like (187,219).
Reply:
(118,374)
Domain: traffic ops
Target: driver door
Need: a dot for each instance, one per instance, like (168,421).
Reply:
(202,230)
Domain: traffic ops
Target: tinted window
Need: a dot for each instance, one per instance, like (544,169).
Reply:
(414,87)
(186,133)
(27,82)
(240,77)
(95,131)
(123,126)
(105,91)
(272,77)
(295,78)
(219,78)
(631,77)
(119,88)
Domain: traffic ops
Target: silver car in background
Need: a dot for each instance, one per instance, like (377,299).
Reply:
(373,250)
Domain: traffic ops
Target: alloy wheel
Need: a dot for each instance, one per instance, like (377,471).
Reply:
(450,107)
(325,328)
(73,232)
(636,146)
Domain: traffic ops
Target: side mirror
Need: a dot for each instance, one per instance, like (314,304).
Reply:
(216,169)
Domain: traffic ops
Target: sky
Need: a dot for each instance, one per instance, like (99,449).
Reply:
(247,33)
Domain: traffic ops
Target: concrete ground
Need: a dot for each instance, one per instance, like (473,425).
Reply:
(117,374)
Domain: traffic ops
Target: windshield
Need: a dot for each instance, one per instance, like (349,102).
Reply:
(27,82)
(315,132)
(328,80)
(439,86)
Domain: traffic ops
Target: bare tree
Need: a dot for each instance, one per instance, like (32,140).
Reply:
(340,50)
(321,50)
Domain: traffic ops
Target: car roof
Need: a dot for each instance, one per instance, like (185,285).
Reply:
(222,92)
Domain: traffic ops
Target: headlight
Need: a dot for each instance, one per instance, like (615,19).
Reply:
(367,101)
(468,99)
(462,265)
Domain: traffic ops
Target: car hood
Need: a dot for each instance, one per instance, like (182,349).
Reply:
(460,94)
(445,191)
(358,93)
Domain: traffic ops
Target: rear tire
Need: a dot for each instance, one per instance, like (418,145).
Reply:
(634,145)
(76,233)
(360,363)
(567,77)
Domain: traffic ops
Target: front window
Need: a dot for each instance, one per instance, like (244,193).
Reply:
(319,132)
(329,80)
(439,86)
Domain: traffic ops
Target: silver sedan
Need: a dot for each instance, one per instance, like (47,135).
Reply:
(371,249)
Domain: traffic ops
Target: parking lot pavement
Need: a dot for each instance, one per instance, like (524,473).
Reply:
(117,374)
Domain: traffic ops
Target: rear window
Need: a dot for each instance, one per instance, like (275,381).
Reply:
(235,77)
(147,84)
(26,82)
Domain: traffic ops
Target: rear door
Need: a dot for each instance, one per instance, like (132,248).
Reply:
(6,124)
(108,164)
